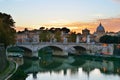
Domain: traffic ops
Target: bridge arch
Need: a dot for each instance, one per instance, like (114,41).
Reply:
(77,49)
(52,49)
(28,51)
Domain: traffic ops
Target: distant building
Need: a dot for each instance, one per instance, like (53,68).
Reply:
(100,31)
(85,33)
(118,33)
(27,37)
(112,34)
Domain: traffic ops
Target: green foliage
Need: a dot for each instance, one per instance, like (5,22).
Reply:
(52,34)
(72,37)
(58,36)
(7,31)
(45,36)
(109,39)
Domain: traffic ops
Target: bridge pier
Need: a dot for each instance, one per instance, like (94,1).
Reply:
(60,53)
(34,53)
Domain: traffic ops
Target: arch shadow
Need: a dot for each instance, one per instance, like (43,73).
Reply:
(77,50)
(27,52)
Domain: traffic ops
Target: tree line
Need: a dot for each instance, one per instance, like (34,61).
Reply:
(110,39)
(56,34)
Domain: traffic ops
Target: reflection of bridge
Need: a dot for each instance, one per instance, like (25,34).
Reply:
(86,65)
(62,49)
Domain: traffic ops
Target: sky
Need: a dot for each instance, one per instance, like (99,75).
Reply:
(74,14)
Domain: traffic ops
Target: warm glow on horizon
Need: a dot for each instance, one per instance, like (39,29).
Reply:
(110,25)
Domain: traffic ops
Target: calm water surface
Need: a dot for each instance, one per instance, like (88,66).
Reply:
(71,68)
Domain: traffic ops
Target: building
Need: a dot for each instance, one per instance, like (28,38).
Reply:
(112,34)
(85,33)
(100,31)
(27,37)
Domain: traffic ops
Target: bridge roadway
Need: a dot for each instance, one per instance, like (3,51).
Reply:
(64,48)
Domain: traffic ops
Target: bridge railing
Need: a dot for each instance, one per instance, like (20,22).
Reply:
(59,43)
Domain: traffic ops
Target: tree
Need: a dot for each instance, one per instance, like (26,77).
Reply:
(44,36)
(42,28)
(72,37)
(66,30)
(58,35)
(7,31)
(110,39)
(26,29)
(52,30)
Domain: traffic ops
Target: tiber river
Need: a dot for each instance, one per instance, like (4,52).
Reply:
(70,68)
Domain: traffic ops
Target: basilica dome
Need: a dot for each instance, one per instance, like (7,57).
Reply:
(100,28)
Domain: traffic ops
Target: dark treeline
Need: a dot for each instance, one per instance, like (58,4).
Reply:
(110,39)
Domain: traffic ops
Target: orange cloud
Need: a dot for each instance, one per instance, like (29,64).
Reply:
(76,26)
(111,24)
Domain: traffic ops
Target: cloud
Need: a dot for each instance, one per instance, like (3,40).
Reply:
(111,24)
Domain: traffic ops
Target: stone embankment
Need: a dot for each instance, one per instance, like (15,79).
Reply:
(3,59)
(7,68)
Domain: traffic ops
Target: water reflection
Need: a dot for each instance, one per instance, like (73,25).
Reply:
(70,68)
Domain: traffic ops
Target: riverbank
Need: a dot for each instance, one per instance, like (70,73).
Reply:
(7,73)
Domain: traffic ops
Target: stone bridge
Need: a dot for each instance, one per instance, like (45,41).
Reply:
(62,49)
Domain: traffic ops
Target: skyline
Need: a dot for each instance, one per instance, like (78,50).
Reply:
(74,14)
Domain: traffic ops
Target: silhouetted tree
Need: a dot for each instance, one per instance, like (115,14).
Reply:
(26,29)
(66,30)
(110,39)
(52,30)
(7,31)
(42,28)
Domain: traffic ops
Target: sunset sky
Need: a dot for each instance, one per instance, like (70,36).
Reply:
(74,14)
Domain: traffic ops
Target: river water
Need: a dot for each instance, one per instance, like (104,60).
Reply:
(70,68)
